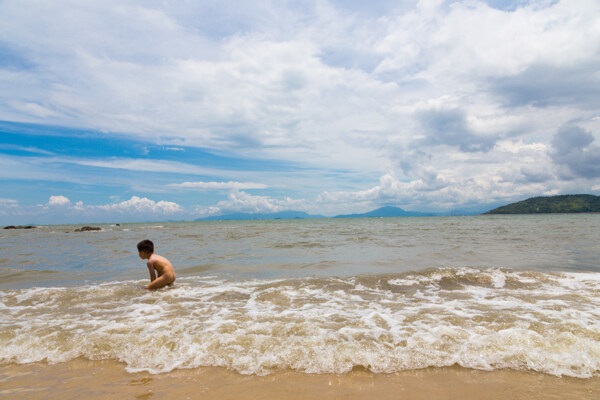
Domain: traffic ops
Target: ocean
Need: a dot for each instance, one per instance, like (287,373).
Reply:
(327,296)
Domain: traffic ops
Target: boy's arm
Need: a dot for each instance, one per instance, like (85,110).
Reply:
(152,273)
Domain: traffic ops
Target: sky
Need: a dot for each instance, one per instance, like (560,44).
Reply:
(123,111)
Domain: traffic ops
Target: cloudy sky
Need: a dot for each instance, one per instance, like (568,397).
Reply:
(153,110)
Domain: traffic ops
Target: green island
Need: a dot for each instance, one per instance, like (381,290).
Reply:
(570,203)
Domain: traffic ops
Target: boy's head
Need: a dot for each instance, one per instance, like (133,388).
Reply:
(145,246)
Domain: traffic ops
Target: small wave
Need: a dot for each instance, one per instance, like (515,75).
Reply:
(13,275)
(27,271)
(197,269)
(477,318)
(301,244)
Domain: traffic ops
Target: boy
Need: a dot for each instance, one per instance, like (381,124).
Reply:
(162,266)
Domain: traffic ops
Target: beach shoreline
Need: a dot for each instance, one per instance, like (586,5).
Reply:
(307,303)
(82,378)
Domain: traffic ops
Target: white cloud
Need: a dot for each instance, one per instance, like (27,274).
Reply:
(239,201)
(33,109)
(58,201)
(455,42)
(390,191)
(9,203)
(142,205)
(23,148)
(134,164)
(60,210)
(79,206)
(8,207)
(218,185)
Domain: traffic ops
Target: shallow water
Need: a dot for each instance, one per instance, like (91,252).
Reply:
(313,296)
(55,255)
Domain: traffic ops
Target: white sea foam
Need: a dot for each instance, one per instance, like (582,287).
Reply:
(477,318)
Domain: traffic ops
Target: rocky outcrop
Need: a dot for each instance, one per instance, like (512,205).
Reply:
(88,228)
(19,227)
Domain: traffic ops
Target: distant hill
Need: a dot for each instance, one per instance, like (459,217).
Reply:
(380,212)
(247,216)
(386,212)
(570,203)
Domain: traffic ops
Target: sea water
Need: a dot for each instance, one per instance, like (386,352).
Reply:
(314,296)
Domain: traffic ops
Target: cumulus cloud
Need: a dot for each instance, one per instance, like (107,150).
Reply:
(239,201)
(60,210)
(58,201)
(142,205)
(573,148)
(389,191)
(218,185)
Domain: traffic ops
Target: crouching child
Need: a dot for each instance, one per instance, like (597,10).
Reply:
(161,270)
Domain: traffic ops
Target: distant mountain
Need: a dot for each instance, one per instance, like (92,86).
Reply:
(387,212)
(570,203)
(247,216)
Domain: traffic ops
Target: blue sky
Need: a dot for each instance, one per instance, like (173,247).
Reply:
(153,110)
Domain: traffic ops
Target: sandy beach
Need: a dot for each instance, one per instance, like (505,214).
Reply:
(81,378)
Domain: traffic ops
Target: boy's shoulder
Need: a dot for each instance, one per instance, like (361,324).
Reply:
(156,257)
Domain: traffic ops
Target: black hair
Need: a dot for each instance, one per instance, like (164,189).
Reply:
(146,246)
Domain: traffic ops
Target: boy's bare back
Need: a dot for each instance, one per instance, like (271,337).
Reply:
(161,270)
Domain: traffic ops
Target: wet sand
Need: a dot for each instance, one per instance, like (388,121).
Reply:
(108,379)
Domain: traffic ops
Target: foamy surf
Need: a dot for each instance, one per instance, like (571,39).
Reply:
(484,319)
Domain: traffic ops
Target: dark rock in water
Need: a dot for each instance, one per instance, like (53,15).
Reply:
(19,227)
(88,228)
(118,224)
